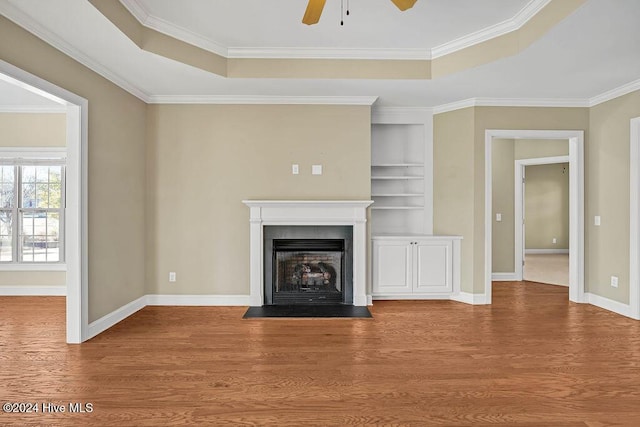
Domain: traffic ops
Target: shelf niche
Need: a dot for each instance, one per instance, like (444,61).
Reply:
(401,174)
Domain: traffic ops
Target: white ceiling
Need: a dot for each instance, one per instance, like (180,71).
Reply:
(371,24)
(15,98)
(592,51)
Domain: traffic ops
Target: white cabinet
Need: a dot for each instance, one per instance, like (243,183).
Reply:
(415,266)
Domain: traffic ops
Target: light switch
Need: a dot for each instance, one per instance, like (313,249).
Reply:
(295,169)
(596,220)
(498,217)
(316,170)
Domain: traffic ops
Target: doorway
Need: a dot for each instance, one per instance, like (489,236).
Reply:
(576,204)
(75,231)
(543,257)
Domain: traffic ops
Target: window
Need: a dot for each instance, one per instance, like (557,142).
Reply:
(32,211)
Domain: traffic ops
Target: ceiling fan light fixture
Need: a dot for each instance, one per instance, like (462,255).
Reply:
(313,12)
(404,4)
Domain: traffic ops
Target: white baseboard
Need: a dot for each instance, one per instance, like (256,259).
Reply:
(504,277)
(25,291)
(198,300)
(546,251)
(412,296)
(609,304)
(107,321)
(469,298)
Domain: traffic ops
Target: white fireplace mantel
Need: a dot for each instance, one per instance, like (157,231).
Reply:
(308,212)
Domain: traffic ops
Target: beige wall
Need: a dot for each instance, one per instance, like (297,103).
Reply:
(33,130)
(116,168)
(453,192)
(203,160)
(607,181)
(502,187)
(504,154)
(459,181)
(547,206)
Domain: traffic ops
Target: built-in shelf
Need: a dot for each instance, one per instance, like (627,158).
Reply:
(398,177)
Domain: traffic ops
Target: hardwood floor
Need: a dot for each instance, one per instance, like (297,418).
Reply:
(530,359)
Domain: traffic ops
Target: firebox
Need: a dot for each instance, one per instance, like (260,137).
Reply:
(307,271)
(308,265)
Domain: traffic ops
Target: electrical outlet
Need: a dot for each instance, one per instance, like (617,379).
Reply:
(498,217)
(614,281)
(554,241)
(596,220)
(295,169)
(172,276)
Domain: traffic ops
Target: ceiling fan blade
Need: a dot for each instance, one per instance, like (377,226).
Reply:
(313,12)
(404,4)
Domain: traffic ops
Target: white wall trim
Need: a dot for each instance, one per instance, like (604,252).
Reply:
(434,296)
(497,30)
(76,214)
(404,54)
(469,298)
(576,204)
(546,251)
(610,305)
(634,216)
(615,93)
(198,300)
(504,277)
(518,201)
(116,316)
(261,99)
(512,102)
(33,290)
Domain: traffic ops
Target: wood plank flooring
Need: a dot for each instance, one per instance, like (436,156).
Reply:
(530,359)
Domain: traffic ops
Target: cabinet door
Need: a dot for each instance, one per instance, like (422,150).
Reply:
(433,266)
(392,267)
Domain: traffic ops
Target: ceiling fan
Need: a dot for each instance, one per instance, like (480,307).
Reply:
(314,9)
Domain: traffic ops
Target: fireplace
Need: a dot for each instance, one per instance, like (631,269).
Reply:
(308,265)
(336,219)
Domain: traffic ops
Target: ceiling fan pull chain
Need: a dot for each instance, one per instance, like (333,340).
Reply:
(341,12)
(347,7)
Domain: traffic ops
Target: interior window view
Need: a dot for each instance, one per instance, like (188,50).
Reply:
(32,213)
(319,212)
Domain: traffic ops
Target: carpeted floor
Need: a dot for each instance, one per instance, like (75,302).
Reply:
(547,268)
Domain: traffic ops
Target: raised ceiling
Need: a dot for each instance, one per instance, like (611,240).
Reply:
(589,52)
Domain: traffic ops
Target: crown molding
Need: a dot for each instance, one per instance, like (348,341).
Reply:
(34,109)
(262,99)
(170,29)
(327,53)
(615,93)
(512,102)
(23,20)
(452,106)
(497,30)
(150,21)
